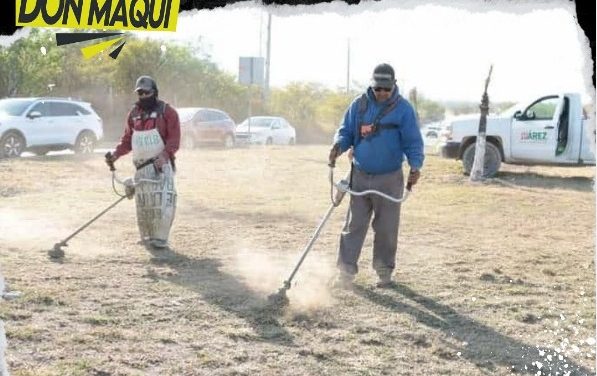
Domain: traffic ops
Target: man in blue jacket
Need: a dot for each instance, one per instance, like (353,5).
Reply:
(381,127)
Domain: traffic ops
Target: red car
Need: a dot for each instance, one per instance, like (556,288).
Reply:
(201,125)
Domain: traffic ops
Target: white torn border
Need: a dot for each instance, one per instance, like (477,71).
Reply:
(342,8)
(3,365)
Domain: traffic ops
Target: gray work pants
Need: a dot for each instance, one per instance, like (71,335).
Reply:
(386,219)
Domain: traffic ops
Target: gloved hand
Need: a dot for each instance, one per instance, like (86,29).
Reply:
(334,154)
(413,178)
(161,160)
(110,159)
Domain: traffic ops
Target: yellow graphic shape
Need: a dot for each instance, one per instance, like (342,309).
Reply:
(95,49)
(145,15)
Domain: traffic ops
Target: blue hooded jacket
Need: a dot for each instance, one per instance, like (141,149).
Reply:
(384,151)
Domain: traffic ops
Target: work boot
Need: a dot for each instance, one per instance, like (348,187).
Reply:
(385,280)
(158,243)
(343,281)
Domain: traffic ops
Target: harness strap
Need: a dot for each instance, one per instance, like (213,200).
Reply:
(363,102)
(388,126)
(145,163)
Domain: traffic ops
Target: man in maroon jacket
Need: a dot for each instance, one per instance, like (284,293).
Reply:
(152,133)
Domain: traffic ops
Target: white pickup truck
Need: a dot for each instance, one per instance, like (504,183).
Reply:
(551,130)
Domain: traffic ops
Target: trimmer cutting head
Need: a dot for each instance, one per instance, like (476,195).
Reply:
(279,299)
(57,252)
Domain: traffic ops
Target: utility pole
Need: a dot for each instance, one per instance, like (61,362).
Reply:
(261,34)
(268,55)
(348,67)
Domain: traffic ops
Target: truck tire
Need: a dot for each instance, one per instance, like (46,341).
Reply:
(493,159)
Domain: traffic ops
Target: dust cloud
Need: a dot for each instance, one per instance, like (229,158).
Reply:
(265,272)
(19,229)
(32,231)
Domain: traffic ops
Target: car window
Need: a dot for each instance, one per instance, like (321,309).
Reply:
(256,122)
(43,108)
(80,110)
(202,116)
(544,109)
(216,116)
(64,109)
(185,114)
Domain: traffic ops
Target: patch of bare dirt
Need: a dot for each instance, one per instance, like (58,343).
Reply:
(491,279)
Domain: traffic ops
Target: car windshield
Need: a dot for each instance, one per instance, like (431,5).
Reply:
(257,123)
(186,114)
(14,106)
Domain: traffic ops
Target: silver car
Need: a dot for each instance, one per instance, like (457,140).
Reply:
(266,130)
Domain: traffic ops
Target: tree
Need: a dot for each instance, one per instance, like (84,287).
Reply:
(28,70)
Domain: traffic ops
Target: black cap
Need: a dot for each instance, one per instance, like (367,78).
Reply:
(146,83)
(383,76)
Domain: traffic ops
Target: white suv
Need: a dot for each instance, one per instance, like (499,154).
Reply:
(41,125)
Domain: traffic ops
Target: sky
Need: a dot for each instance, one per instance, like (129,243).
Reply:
(443,48)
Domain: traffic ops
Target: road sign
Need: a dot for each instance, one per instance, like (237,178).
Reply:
(250,70)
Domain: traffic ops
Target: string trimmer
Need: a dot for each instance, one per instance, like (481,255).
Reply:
(129,188)
(342,187)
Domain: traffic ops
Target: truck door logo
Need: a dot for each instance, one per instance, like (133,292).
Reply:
(533,137)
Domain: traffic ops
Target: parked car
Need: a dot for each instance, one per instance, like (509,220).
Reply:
(266,130)
(205,126)
(41,125)
(431,130)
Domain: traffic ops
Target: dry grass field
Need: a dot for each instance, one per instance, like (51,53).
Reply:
(493,279)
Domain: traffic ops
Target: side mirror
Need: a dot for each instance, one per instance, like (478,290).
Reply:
(517,114)
(34,115)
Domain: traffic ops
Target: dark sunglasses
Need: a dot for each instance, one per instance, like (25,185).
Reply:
(144,92)
(378,89)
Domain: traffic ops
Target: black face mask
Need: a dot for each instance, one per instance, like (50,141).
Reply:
(148,103)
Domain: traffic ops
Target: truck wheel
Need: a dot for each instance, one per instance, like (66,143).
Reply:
(493,159)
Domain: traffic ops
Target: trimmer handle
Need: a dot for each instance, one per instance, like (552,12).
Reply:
(109,161)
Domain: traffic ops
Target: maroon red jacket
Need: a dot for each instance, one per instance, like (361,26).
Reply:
(168,126)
